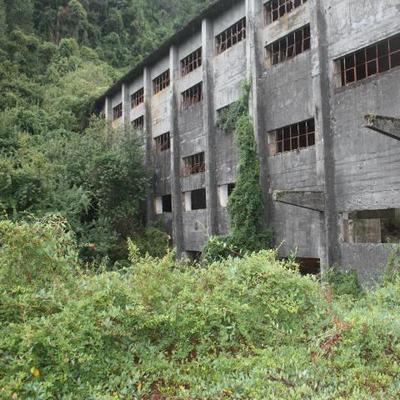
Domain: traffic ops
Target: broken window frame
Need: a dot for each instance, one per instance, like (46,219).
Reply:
(198,203)
(163,142)
(191,62)
(117,112)
(138,123)
(161,82)
(276,9)
(194,164)
(231,36)
(137,98)
(369,61)
(293,137)
(289,46)
(192,96)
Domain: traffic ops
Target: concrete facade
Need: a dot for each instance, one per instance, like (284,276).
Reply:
(347,168)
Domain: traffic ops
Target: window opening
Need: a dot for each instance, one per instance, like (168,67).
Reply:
(192,96)
(161,82)
(289,46)
(194,164)
(191,62)
(137,98)
(163,142)
(117,112)
(309,266)
(294,137)
(166,203)
(138,123)
(231,36)
(231,188)
(372,226)
(275,9)
(194,256)
(369,61)
(199,199)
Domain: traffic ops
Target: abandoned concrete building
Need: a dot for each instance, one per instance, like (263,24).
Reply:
(325,103)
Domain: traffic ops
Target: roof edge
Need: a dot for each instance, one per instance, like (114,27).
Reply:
(189,29)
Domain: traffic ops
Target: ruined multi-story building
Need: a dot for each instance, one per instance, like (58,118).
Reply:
(317,68)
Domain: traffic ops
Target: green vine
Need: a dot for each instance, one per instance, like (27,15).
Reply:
(245,206)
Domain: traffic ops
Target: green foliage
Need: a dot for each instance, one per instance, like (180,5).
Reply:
(392,268)
(245,206)
(152,241)
(2,17)
(37,253)
(343,283)
(243,328)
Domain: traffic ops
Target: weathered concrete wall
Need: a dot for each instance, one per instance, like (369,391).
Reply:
(354,168)
(367,164)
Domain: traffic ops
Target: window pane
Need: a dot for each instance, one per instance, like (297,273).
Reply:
(395,59)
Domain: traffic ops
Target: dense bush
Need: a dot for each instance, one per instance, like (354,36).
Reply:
(243,328)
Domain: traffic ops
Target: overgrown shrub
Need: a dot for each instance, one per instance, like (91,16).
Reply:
(37,253)
(392,268)
(242,328)
(343,282)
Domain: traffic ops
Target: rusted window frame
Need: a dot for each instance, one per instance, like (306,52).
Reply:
(194,164)
(137,98)
(294,137)
(291,45)
(192,96)
(231,36)
(117,112)
(163,142)
(276,9)
(161,82)
(192,62)
(138,123)
(369,61)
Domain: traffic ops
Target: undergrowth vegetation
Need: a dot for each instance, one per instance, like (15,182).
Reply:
(240,328)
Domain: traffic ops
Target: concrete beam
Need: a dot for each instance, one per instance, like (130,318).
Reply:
(309,200)
(387,126)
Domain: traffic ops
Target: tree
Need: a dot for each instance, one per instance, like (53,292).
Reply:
(19,14)
(2,17)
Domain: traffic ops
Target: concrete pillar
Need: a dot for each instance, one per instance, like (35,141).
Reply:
(148,134)
(321,87)
(177,216)
(126,106)
(254,12)
(108,112)
(209,125)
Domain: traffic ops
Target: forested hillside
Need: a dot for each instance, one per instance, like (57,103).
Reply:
(56,57)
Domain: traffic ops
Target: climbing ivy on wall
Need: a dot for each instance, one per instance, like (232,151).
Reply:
(245,206)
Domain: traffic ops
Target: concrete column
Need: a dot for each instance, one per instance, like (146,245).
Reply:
(177,218)
(329,233)
(108,112)
(126,106)
(148,135)
(254,11)
(209,125)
